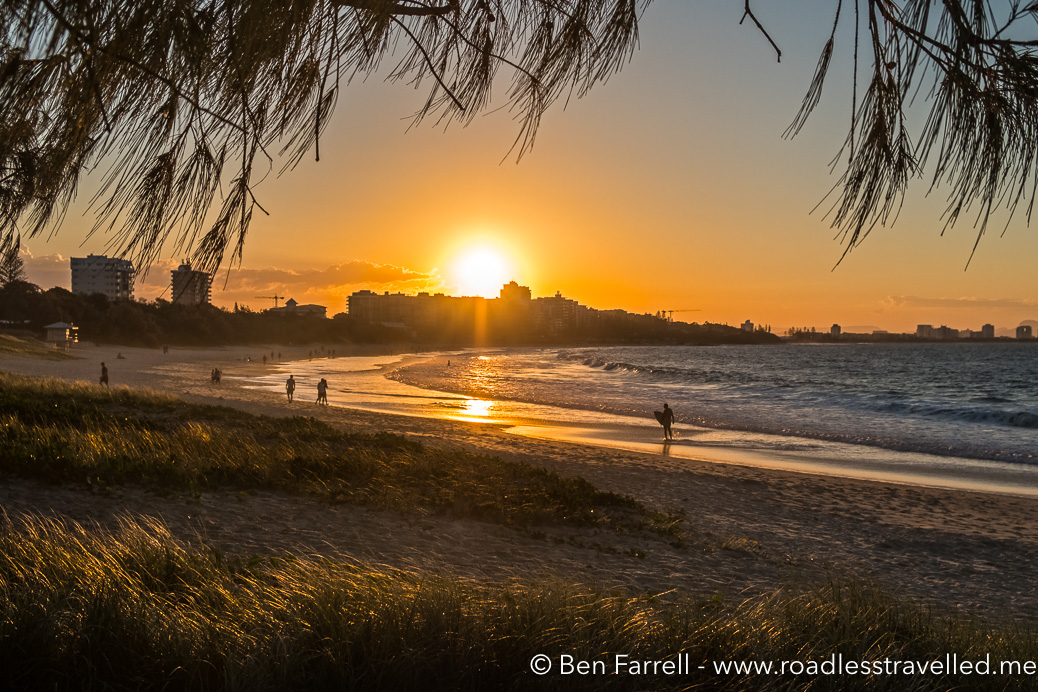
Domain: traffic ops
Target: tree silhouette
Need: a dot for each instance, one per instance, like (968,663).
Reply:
(12,266)
(978,69)
(181,101)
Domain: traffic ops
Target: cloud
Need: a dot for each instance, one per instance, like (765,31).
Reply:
(353,273)
(47,270)
(922,303)
(329,286)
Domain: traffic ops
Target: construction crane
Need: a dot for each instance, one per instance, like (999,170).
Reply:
(276,298)
(668,315)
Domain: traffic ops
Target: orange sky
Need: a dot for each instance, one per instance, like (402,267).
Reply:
(670,187)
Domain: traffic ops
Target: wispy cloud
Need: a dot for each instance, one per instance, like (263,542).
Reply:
(892,303)
(351,273)
(47,271)
(326,286)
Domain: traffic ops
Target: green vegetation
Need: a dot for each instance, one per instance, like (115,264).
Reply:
(79,433)
(32,348)
(134,609)
(158,322)
(152,324)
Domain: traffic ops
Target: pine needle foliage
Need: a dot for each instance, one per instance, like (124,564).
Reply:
(186,103)
(975,65)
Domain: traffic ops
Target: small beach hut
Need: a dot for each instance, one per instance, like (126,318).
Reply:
(61,334)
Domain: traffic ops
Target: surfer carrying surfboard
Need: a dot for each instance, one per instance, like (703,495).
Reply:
(666,419)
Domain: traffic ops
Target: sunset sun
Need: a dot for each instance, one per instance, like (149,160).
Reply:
(481,271)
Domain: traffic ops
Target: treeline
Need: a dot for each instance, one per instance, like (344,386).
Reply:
(646,329)
(26,307)
(155,323)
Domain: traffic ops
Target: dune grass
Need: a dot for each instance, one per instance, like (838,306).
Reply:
(134,609)
(31,348)
(79,433)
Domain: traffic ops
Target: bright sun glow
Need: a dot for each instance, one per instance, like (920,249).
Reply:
(481,272)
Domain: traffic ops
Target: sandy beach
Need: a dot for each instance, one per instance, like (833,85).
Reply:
(753,529)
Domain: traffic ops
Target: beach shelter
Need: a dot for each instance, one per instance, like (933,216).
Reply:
(61,334)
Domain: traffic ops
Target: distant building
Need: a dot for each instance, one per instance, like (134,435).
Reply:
(1024,332)
(189,286)
(925,331)
(109,276)
(835,330)
(944,332)
(987,331)
(513,291)
(515,313)
(555,314)
(291,307)
(747,326)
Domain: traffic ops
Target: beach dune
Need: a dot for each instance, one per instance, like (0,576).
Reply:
(753,529)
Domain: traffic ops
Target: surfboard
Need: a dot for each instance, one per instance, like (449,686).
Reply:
(659,416)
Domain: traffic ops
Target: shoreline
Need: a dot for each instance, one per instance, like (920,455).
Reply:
(374,390)
(956,550)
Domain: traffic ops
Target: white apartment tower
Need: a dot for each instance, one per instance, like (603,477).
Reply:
(189,286)
(110,276)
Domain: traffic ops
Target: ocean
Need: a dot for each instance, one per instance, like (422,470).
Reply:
(930,409)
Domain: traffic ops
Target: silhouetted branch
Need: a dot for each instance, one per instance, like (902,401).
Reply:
(748,12)
(401,9)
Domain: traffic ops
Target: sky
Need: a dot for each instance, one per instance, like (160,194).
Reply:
(668,188)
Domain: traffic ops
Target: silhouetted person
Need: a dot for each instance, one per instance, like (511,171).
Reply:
(104,374)
(322,392)
(668,420)
(290,387)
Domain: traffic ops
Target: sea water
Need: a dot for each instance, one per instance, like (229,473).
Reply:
(968,400)
(934,408)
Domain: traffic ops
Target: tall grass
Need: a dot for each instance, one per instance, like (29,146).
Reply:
(133,609)
(31,348)
(78,433)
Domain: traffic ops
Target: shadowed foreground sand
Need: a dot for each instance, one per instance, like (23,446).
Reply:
(754,529)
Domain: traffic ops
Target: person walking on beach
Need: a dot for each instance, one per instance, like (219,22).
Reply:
(322,392)
(290,387)
(104,374)
(667,420)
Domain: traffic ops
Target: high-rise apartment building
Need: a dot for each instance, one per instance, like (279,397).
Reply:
(189,286)
(109,276)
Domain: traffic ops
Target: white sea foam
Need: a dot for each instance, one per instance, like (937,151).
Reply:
(977,401)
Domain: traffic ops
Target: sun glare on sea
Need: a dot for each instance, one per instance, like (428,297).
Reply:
(481,271)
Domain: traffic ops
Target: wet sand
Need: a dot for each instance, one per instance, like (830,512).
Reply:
(752,529)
